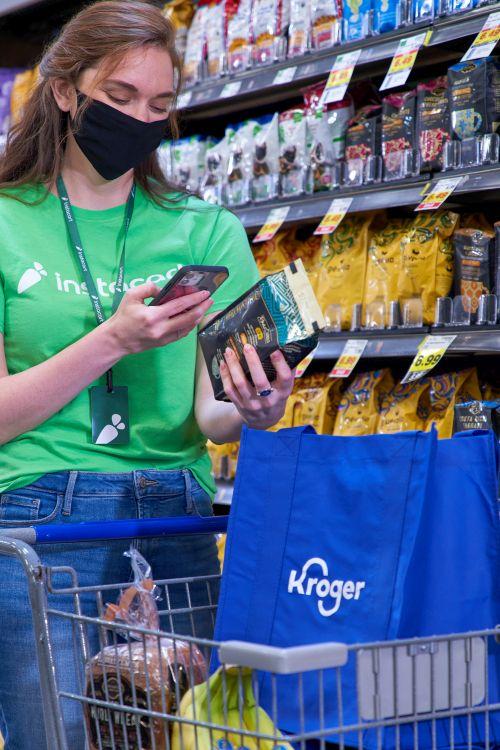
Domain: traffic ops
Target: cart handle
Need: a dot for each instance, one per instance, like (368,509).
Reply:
(97,531)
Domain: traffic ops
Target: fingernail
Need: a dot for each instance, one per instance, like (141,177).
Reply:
(248,348)
(275,355)
(229,352)
(222,365)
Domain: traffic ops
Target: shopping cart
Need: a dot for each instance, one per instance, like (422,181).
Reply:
(407,691)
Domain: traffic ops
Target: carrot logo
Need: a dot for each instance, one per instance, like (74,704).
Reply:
(31,277)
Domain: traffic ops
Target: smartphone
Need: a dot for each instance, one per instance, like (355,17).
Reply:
(192,279)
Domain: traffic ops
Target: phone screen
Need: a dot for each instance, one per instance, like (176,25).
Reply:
(190,280)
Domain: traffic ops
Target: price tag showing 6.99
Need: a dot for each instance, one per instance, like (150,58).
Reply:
(429,353)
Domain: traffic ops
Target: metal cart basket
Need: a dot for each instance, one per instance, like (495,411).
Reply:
(409,693)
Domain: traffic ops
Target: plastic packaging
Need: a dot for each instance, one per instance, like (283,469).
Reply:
(270,20)
(473,263)
(474,97)
(399,152)
(266,161)
(326,18)
(363,147)
(320,149)
(147,671)
(213,183)
(239,42)
(216,23)
(358,19)
(294,165)
(299,32)
(181,13)
(194,58)
(433,127)
(188,161)
(279,312)
(239,163)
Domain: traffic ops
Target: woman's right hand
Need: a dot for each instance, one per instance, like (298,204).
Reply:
(137,327)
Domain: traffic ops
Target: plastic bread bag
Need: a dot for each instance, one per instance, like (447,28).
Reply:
(147,671)
(270,21)
(239,42)
(293,152)
(360,406)
(446,391)
(266,162)
(279,312)
(405,408)
(239,163)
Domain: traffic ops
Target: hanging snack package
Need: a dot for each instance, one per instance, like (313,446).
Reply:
(473,264)
(293,152)
(398,136)
(320,150)
(425,10)
(319,399)
(239,42)
(474,97)
(426,271)
(214,176)
(383,266)
(433,122)
(387,16)
(270,21)
(339,115)
(188,161)
(195,56)
(266,159)
(357,23)
(181,13)
(216,24)
(445,392)
(279,312)
(478,415)
(299,31)
(326,21)
(146,671)
(405,408)
(239,163)
(290,417)
(363,137)
(359,409)
(341,266)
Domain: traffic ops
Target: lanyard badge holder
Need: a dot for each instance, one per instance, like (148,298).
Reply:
(109,410)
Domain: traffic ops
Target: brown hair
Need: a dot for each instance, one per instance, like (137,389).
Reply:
(99,36)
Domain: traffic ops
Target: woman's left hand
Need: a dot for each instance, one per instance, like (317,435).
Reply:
(257,411)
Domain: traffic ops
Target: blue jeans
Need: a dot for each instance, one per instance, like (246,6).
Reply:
(73,497)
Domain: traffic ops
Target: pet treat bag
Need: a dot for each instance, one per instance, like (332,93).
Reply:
(359,408)
(279,312)
(446,391)
(325,23)
(320,149)
(478,415)
(270,20)
(473,248)
(427,260)
(319,399)
(363,138)
(266,158)
(293,151)
(341,266)
(474,97)
(216,38)
(239,42)
(433,127)
(196,46)
(398,130)
(299,33)
(386,16)
(384,263)
(405,408)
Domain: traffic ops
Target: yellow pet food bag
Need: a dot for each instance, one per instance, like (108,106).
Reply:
(447,390)
(405,408)
(359,408)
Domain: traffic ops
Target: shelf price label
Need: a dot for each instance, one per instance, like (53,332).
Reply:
(340,76)
(484,43)
(302,367)
(336,212)
(403,60)
(275,219)
(438,193)
(230,89)
(351,354)
(284,76)
(430,352)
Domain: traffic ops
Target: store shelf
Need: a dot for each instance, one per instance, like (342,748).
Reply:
(311,208)
(260,84)
(405,344)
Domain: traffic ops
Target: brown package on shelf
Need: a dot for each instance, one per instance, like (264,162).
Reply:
(341,266)
(405,408)
(446,391)
(359,408)
(427,260)
(318,402)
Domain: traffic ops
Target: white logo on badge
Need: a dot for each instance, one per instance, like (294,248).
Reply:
(31,277)
(110,432)
(306,585)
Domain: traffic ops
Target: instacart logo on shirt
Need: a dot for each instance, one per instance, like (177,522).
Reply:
(37,273)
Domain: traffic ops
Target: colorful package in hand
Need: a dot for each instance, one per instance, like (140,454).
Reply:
(398,133)
(357,23)
(446,391)
(433,122)
(473,265)
(426,271)
(342,265)
(474,97)
(405,408)
(359,408)
(279,312)
(293,152)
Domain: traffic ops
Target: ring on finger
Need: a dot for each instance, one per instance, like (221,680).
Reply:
(265,392)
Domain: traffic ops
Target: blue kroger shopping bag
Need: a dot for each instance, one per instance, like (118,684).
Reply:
(356,540)
(320,538)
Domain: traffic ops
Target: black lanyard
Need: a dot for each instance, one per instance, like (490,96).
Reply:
(82,261)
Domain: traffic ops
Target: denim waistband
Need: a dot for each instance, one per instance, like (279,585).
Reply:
(139,483)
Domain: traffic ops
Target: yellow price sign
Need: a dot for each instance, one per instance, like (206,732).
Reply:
(485,41)
(274,221)
(340,75)
(336,212)
(302,367)
(487,35)
(402,62)
(349,358)
(437,195)
(430,352)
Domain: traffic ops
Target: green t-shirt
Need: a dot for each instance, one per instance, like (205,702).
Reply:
(44,309)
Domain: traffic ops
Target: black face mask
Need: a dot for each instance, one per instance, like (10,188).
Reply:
(114,142)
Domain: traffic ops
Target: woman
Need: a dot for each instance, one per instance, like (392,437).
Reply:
(105,96)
